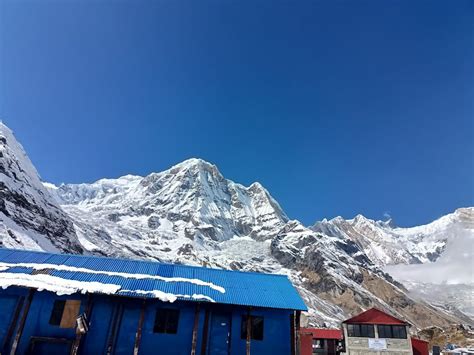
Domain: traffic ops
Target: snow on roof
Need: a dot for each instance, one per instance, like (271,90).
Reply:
(54,284)
(46,266)
(67,274)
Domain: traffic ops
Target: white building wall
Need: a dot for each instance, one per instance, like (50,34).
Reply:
(360,346)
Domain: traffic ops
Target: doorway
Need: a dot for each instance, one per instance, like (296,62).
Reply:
(219,334)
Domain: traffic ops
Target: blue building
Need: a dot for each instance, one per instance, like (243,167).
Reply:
(71,304)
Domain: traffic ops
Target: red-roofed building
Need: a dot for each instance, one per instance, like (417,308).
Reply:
(375,316)
(320,341)
(420,347)
(374,331)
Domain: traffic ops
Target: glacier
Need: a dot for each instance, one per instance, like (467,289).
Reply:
(191,214)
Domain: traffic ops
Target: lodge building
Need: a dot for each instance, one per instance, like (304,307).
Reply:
(374,332)
(71,304)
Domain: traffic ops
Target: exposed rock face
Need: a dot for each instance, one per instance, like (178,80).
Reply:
(386,244)
(29,216)
(332,270)
(188,204)
(461,335)
(433,261)
(191,214)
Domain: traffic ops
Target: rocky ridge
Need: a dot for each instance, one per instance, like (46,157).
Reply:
(191,214)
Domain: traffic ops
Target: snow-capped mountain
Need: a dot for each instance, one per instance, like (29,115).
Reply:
(173,215)
(435,262)
(386,244)
(29,217)
(191,214)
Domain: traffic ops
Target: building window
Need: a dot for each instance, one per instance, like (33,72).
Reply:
(392,331)
(166,321)
(361,330)
(318,344)
(65,313)
(256,325)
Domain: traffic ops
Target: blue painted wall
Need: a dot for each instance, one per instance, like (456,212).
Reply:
(10,299)
(276,332)
(37,322)
(179,343)
(276,339)
(101,318)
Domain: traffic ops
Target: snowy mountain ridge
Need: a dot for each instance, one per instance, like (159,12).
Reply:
(26,206)
(191,214)
(435,262)
(386,244)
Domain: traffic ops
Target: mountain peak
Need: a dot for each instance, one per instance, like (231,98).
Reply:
(193,162)
(15,166)
(196,165)
(191,214)
(361,219)
(4,127)
(389,223)
(256,186)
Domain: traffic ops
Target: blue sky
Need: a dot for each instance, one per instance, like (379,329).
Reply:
(337,107)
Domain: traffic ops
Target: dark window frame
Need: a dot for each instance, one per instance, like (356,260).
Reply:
(166,321)
(256,330)
(392,331)
(361,330)
(65,313)
(57,312)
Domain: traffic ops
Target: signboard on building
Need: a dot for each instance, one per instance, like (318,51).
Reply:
(377,344)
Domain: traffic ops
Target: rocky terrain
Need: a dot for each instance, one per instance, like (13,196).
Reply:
(435,262)
(191,214)
(460,335)
(30,216)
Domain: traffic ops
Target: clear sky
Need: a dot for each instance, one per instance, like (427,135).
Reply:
(336,107)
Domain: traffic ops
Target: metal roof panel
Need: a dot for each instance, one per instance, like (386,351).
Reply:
(241,288)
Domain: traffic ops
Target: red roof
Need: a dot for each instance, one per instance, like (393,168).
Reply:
(374,316)
(323,333)
(419,346)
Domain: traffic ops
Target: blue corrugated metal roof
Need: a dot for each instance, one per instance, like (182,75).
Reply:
(241,288)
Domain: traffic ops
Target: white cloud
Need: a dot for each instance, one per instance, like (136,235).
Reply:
(454,266)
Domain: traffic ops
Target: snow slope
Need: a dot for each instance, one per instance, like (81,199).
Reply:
(386,244)
(170,215)
(29,217)
(191,214)
(434,261)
